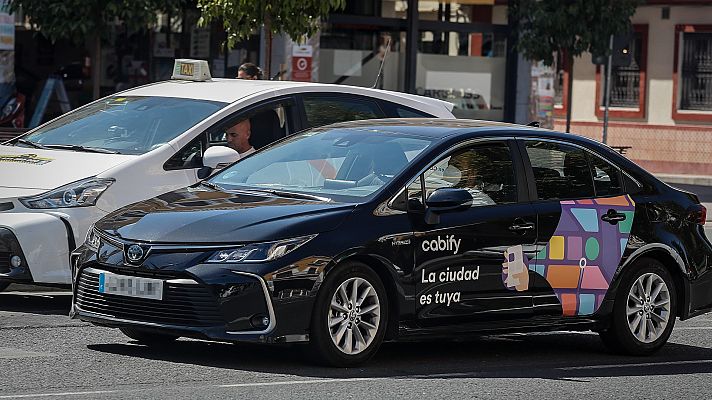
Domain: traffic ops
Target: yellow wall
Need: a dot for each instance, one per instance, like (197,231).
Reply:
(661,45)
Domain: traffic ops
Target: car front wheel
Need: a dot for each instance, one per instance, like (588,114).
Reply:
(644,311)
(350,316)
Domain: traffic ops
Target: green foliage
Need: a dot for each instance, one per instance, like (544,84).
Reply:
(78,20)
(574,26)
(241,18)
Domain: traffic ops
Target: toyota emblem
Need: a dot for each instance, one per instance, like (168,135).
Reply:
(134,253)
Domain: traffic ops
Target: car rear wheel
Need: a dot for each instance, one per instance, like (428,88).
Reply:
(148,338)
(644,311)
(350,316)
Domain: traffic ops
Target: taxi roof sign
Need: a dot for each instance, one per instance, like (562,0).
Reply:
(192,70)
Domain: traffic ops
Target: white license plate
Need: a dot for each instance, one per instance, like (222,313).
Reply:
(131,286)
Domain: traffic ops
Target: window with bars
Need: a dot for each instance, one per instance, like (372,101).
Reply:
(625,80)
(696,77)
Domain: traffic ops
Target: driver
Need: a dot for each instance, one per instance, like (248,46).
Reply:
(238,138)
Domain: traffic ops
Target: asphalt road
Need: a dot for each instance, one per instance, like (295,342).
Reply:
(43,354)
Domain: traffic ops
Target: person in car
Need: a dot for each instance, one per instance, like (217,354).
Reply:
(238,138)
(249,71)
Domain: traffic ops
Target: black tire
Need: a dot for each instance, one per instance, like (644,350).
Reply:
(148,338)
(619,336)
(4,285)
(321,347)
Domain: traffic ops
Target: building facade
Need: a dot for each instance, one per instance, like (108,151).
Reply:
(661,103)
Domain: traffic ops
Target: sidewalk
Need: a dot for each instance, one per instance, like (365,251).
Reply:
(698,180)
(701,185)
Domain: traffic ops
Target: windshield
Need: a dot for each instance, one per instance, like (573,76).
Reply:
(125,124)
(326,163)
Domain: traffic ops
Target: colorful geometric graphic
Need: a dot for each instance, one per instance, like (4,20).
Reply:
(583,253)
(580,270)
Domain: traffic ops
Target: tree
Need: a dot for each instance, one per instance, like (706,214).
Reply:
(82,20)
(570,27)
(240,18)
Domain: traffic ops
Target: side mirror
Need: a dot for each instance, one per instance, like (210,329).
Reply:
(446,200)
(219,156)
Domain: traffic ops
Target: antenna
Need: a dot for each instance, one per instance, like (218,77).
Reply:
(380,69)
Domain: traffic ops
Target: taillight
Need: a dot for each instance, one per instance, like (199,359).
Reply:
(697,214)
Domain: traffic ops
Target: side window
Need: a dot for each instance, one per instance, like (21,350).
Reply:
(190,156)
(324,110)
(394,110)
(606,177)
(631,185)
(486,171)
(268,124)
(560,171)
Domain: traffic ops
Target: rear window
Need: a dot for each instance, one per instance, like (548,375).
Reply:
(324,110)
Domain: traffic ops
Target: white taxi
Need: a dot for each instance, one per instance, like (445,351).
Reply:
(58,179)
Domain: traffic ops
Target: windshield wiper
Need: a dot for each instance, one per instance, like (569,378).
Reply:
(76,147)
(292,195)
(211,185)
(29,143)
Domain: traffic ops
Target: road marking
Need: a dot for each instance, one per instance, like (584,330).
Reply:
(693,328)
(653,364)
(304,382)
(29,396)
(9,352)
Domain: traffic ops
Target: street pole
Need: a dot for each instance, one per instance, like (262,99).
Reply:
(607,89)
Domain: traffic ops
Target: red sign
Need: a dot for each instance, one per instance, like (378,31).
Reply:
(302,69)
(302,63)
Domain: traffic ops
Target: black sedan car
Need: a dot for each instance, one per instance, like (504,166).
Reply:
(348,235)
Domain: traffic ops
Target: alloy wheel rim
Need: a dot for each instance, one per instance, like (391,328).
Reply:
(354,316)
(648,307)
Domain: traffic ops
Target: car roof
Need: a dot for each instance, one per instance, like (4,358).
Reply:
(442,129)
(232,90)
(436,128)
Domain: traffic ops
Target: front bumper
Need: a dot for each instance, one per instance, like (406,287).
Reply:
(10,248)
(232,310)
(43,240)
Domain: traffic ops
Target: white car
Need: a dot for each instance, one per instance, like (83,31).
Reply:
(58,179)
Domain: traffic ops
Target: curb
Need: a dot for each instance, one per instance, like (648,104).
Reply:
(702,180)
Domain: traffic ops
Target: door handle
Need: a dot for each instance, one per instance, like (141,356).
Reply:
(522,227)
(613,217)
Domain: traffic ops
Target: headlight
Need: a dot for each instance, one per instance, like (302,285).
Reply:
(92,241)
(82,193)
(259,252)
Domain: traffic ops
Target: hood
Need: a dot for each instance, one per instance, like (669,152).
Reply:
(28,168)
(202,215)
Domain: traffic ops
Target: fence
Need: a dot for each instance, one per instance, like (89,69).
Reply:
(674,149)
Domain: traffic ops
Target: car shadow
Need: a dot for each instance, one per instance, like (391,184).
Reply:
(558,356)
(36,302)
